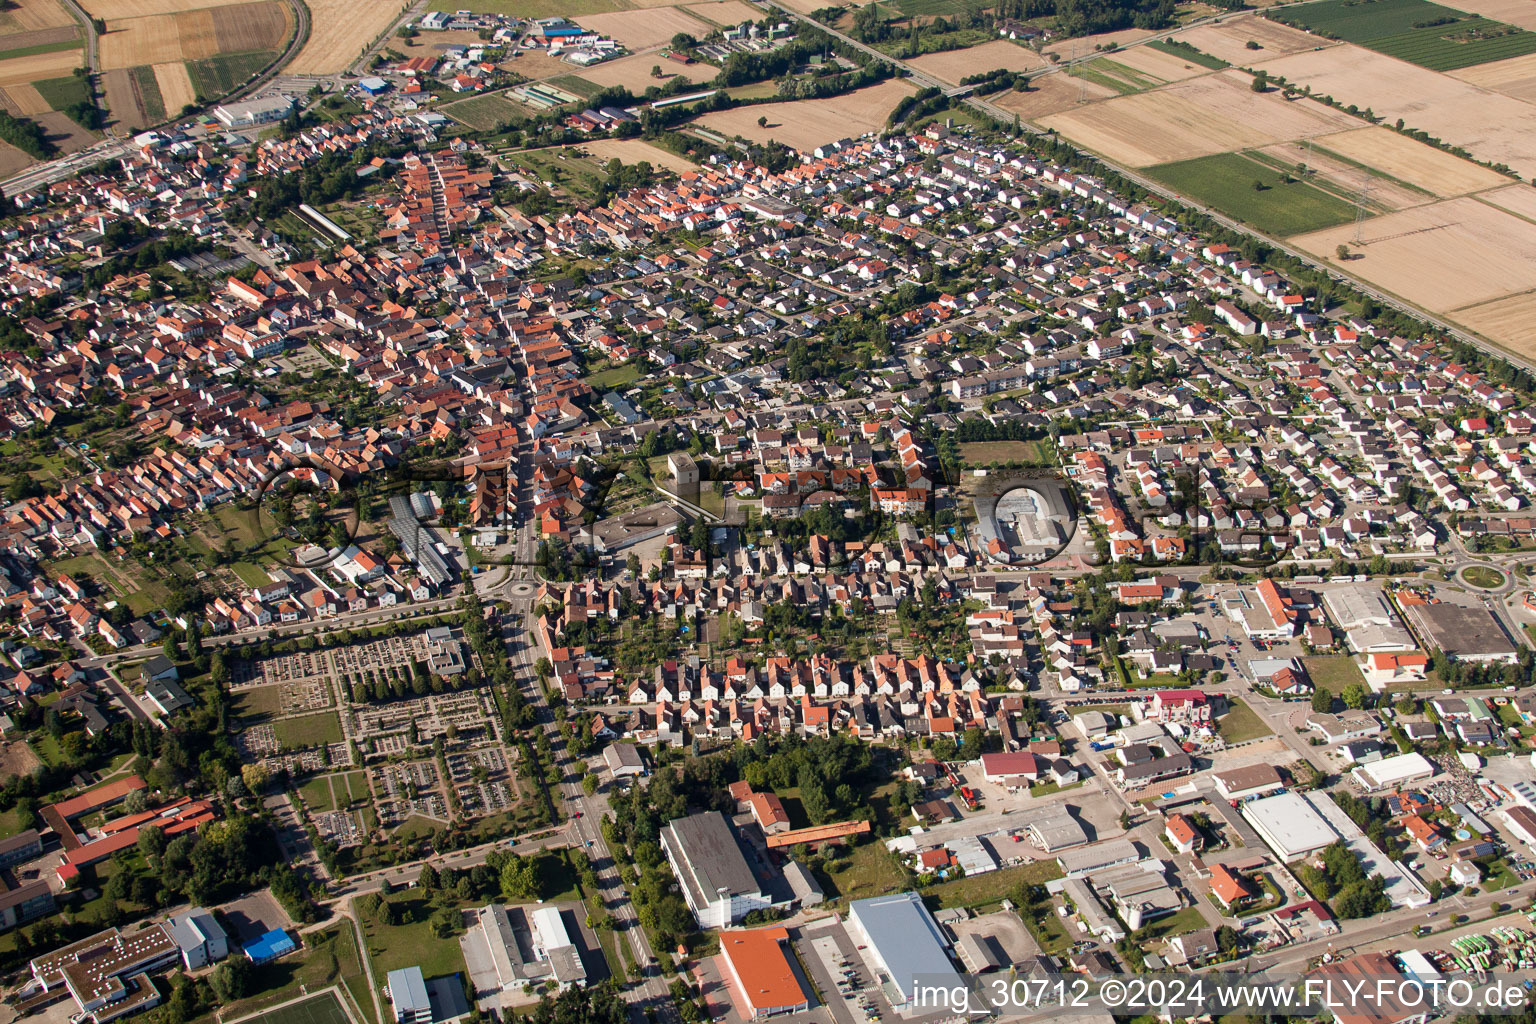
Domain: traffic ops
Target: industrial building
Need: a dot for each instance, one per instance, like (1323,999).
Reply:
(253,112)
(1463,632)
(718,883)
(1290,824)
(760,972)
(1391,772)
(417,542)
(1054,828)
(1368,621)
(904,944)
(1111,853)
(553,945)
(1248,783)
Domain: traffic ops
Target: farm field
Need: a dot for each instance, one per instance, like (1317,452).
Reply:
(338,32)
(1514,77)
(1387,26)
(1411,161)
(724,12)
(639,30)
(1229,39)
(1159,64)
(634,73)
(1507,321)
(37,67)
(219,75)
(484,113)
(1226,181)
(32,16)
(1343,176)
(175,86)
(1443,257)
(1489,125)
(1082,45)
(1051,94)
(23,98)
(953,65)
(1199,117)
(1517,199)
(807,124)
(1114,75)
(1511,12)
(632,151)
(196,34)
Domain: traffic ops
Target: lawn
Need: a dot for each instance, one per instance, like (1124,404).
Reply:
(1226,181)
(1333,673)
(1033,453)
(484,113)
(64,92)
(1241,723)
(1482,576)
(322,1009)
(327,958)
(308,730)
(317,795)
(411,944)
(613,377)
(1417,31)
(869,870)
(992,887)
(1497,874)
(1179,923)
(258,703)
(562,167)
(251,575)
(123,581)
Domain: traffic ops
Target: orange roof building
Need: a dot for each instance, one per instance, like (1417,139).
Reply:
(762,981)
(1228,886)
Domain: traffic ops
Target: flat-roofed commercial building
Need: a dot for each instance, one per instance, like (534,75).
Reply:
(106,974)
(1391,772)
(408,996)
(718,883)
(1290,824)
(1361,610)
(554,945)
(1463,632)
(905,944)
(760,972)
(1054,828)
(1111,853)
(1255,780)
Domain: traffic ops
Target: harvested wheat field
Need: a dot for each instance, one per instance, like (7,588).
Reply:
(1513,12)
(1051,94)
(953,65)
(1158,64)
(176,89)
(1518,198)
(639,30)
(1412,161)
(1451,254)
(265,25)
(38,66)
(1509,321)
(23,99)
(1082,46)
(37,37)
(338,32)
(1229,39)
(159,37)
(806,124)
(1489,125)
(536,64)
(1513,77)
(116,10)
(632,151)
(34,15)
(1213,114)
(634,73)
(724,12)
(1345,179)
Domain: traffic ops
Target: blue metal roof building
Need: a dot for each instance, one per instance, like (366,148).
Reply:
(906,941)
(270,946)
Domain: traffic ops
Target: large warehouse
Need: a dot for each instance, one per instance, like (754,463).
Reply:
(763,978)
(717,881)
(1463,632)
(905,943)
(1290,824)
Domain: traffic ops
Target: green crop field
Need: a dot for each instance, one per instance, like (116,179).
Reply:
(1185,51)
(215,76)
(1226,181)
(1420,32)
(484,113)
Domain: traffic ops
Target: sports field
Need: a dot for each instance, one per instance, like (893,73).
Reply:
(1423,33)
(1228,182)
(321,1009)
